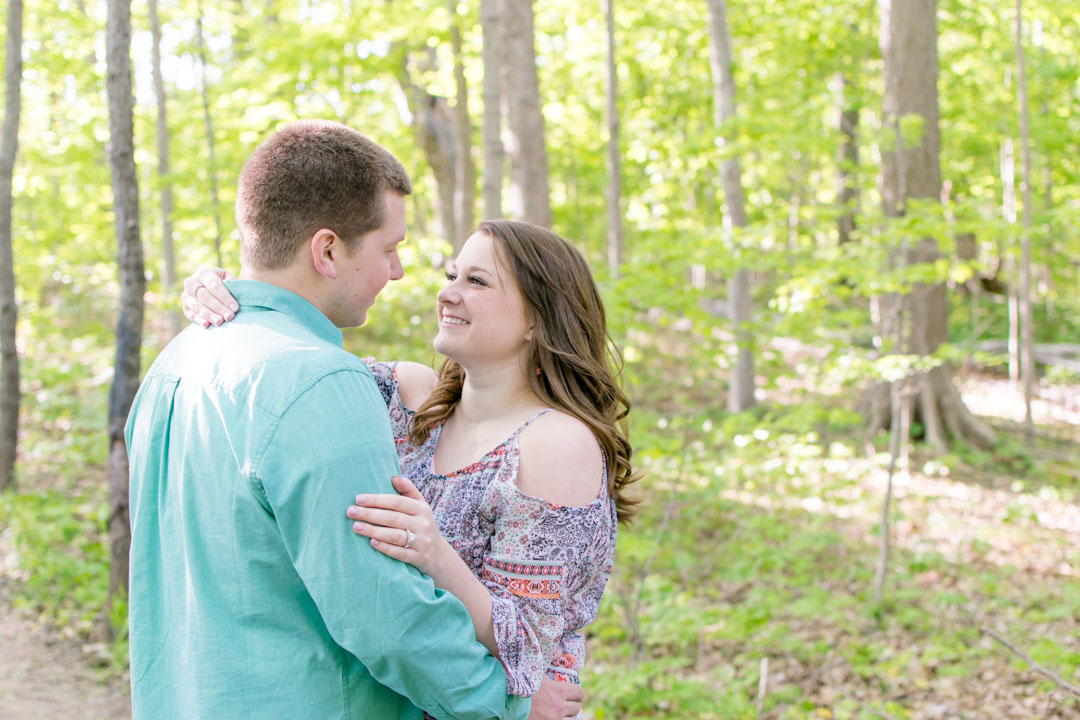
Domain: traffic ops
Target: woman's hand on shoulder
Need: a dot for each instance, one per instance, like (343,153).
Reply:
(205,299)
(561,461)
(415,383)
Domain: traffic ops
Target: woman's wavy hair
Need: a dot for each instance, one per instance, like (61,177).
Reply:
(578,362)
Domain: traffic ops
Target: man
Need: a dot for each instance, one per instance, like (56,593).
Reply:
(250,595)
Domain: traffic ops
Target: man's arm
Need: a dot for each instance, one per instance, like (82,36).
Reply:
(332,443)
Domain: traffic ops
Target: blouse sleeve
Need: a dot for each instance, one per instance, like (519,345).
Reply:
(385,377)
(541,571)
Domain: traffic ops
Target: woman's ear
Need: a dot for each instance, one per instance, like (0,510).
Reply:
(325,246)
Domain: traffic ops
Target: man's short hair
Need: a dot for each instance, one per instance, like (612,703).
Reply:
(309,175)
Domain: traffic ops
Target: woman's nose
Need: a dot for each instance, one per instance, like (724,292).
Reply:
(448,294)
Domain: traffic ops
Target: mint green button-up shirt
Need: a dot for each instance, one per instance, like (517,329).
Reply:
(251,597)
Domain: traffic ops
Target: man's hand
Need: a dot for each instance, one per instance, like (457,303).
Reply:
(555,700)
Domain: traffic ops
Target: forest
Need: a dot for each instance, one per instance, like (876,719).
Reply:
(838,246)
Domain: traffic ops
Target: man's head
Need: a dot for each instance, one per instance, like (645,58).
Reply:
(320,209)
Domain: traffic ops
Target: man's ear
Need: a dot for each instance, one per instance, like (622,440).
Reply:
(326,249)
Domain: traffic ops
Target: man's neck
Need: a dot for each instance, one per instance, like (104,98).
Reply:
(291,278)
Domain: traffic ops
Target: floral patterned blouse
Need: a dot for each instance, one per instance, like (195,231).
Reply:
(545,565)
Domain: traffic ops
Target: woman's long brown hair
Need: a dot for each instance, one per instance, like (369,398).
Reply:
(577,359)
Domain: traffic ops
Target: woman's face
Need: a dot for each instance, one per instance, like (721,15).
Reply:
(482,318)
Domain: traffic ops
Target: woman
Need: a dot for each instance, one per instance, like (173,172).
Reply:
(516,448)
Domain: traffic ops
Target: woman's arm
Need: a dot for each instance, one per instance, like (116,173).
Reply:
(517,608)
(394,521)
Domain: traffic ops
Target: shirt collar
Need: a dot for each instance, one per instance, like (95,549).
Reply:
(255,295)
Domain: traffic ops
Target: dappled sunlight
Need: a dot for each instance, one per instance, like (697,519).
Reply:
(1057,405)
(1036,530)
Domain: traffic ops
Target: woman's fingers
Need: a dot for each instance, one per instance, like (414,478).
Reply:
(192,310)
(405,486)
(378,516)
(213,281)
(385,535)
(205,300)
(399,503)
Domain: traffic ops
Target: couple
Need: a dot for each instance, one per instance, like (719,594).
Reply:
(251,595)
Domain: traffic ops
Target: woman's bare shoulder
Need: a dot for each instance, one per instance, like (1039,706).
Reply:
(415,383)
(561,461)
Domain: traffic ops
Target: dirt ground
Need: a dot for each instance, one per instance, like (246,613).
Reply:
(44,677)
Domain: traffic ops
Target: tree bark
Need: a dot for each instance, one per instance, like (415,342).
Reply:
(847,158)
(741,391)
(129,324)
(9,143)
(211,168)
(908,38)
(614,171)
(1027,339)
(529,197)
(168,258)
(1008,212)
(491,16)
(464,170)
(435,126)
(434,122)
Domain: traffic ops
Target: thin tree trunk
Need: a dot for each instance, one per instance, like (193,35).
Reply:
(491,16)
(614,171)
(741,391)
(847,158)
(434,121)
(208,123)
(529,196)
(1008,212)
(132,285)
(1027,339)
(168,271)
(9,144)
(464,170)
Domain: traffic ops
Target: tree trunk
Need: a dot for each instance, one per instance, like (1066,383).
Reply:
(464,170)
(434,121)
(1027,339)
(168,270)
(211,169)
(529,199)
(908,40)
(491,16)
(435,125)
(847,158)
(614,171)
(1008,212)
(741,392)
(132,285)
(9,143)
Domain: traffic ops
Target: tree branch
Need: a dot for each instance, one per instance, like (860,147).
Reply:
(1034,665)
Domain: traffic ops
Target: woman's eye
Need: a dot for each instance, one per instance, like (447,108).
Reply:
(451,276)
(476,281)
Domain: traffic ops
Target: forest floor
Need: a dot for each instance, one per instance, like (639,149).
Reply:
(44,676)
(772,613)
(979,542)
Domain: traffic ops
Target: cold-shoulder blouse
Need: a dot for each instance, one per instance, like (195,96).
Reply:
(545,565)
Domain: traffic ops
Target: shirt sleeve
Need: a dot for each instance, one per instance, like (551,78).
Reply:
(537,571)
(332,443)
